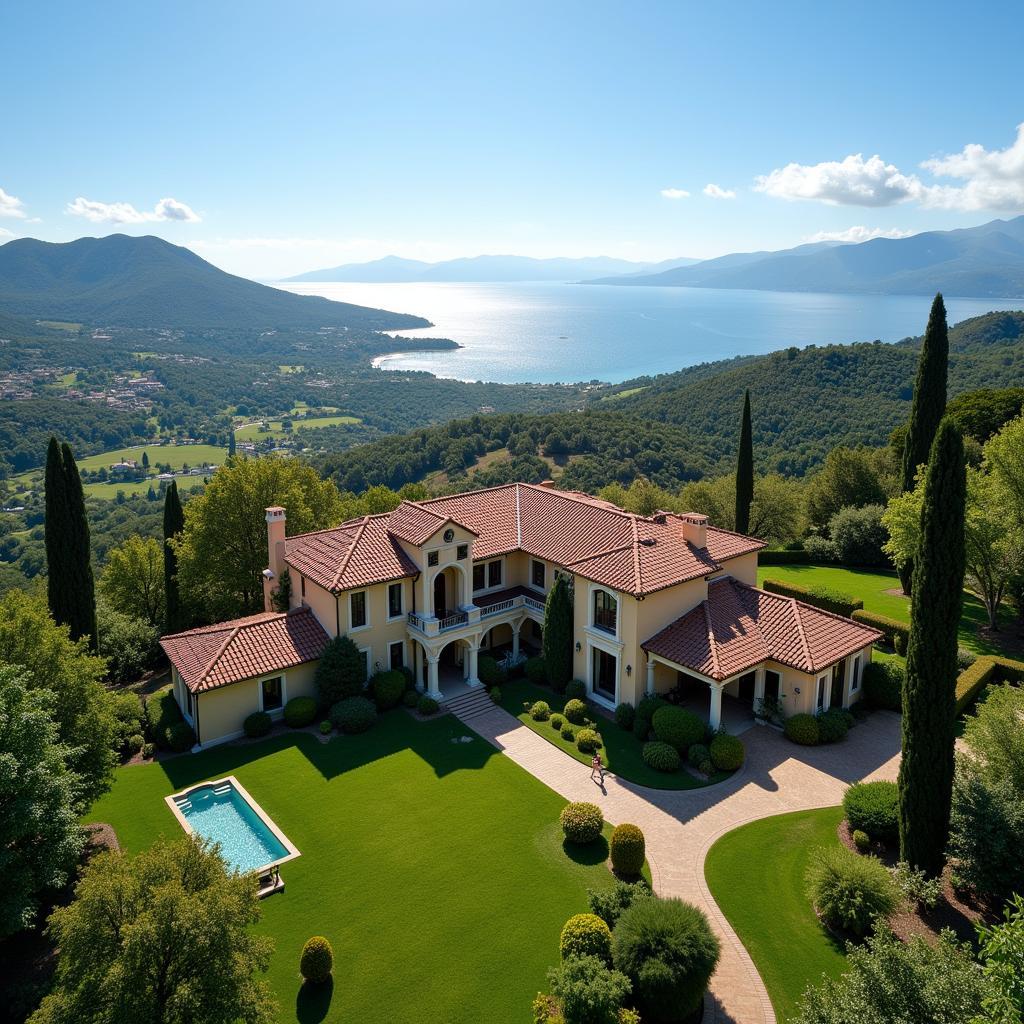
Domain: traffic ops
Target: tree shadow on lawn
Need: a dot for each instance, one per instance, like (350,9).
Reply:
(314,1001)
(587,854)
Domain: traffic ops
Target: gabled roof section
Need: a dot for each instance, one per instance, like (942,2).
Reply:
(229,652)
(416,524)
(738,627)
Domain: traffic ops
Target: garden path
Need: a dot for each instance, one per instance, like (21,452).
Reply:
(681,825)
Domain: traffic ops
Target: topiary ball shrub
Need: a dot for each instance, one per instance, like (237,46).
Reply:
(495,693)
(625,715)
(643,715)
(586,935)
(726,752)
(575,689)
(697,755)
(299,712)
(326,728)
(628,849)
(489,671)
(588,740)
(317,960)
(180,737)
(536,670)
(803,729)
(149,750)
(706,767)
(662,757)
(135,743)
(833,725)
(861,840)
(353,715)
(883,684)
(874,808)
(678,727)
(427,706)
(575,711)
(568,732)
(387,689)
(410,698)
(581,822)
(541,711)
(257,724)
(668,951)
(848,890)
(556,723)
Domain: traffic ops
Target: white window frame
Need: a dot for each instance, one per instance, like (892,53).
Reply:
(854,670)
(823,687)
(401,603)
(616,652)
(275,712)
(366,606)
(405,653)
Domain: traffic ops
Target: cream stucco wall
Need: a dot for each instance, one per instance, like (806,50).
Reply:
(743,568)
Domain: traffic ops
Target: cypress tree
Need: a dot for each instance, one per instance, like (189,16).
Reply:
(174,523)
(57,535)
(231,444)
(928,406)
(929,689)
(79,581)
(558,634)
(744,470)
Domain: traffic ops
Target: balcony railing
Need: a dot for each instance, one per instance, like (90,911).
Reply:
(453,621)
(498,606)
(417,622)
(532,602)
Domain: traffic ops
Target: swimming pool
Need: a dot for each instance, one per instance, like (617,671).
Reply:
(224,813)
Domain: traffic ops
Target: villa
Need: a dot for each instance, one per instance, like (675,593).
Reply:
(661,602)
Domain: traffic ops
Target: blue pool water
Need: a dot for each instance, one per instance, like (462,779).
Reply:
(222,815)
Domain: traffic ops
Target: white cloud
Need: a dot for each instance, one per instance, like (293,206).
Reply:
(717,192)
(858,233)
(675,193)
(994,178)
(125,213)
(4,233)
(850,182)
(11,206)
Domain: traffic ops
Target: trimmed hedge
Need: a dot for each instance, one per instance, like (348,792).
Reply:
(536,670)
(387,689)
(581,822)
(985,670)
(883,684)
(426,705)
(317,960)
(890,627)
(826,598)
(803,729)
(586,935)
(353,714)
(299,712)
(489,671)
(575,711)
(874,808)
(677,726)
(541,711)
(662,757)
(628,849)
(783,558)
(411,698)
(588,740)
(726,752)
(257,724)
(625,715)
(557,721)
(643,715)
(697,755)
(833,725)
(850,890)
(575,689)
(180,737)
(160,713)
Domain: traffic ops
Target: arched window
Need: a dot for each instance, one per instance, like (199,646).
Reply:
(605,611)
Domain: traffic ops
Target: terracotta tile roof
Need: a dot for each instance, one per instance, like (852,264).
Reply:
(634,554)
(228,652)
(738,627)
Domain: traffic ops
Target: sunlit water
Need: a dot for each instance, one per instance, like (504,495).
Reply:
(567,332)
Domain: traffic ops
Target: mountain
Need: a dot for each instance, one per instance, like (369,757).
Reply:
(488,268)
(121,280)
(985,261)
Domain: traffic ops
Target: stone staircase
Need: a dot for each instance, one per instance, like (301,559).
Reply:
(469,705)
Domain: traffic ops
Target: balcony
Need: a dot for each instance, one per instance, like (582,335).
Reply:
(428,625)
(509,600)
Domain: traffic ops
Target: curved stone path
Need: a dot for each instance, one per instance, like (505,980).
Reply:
(681,825)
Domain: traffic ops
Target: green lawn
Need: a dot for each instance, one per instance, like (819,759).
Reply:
(871,588)
(763,899)
(434,866)
(621,752)
(175,454)
(252,432)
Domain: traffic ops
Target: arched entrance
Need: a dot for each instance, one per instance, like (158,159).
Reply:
(449,669)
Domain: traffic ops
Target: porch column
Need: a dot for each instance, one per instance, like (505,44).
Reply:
(433,687)
(650,676)
(758,685)
(473,649)
(515,641)
(715,718)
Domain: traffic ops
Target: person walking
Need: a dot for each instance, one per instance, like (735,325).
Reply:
(597,768)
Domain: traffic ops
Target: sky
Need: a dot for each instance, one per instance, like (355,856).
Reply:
(278,138)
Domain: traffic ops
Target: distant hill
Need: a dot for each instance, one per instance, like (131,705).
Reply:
(986,261)
(487,268)
(127,281)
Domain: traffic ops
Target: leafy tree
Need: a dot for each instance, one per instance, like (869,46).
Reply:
(927,406)
(982,413)
(223,549)
(174,523)
(1002,955)
(926,768)
(162,937)
(744,470)
(588,991)
(133,579)
(341,672)
(850,478)
(39,832)
(128,644)
(858,535)
(558,615)
(776,513)
(81,707)
(1004,461)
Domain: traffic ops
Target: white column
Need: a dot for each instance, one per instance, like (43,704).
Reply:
(715,718)
(515,641)
(650,676)
(473,651)
(433,686)
(758,685)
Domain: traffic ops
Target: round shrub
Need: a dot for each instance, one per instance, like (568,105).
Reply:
(135,742)
(883,684)
(489,671)
(581,822)
(180,737)
(803,729)
(677,726)
(257,724)
(536,670)
(662,757)
(353,714)
(317,960)
(326,728)
(874,808)
(706,767)
(495,693)
(299,712)
(427,705)
(628,849)
(643,715)
(575,689)
(861,840)
(899,644)
(833,725)
(586,935)
(557,721)
(575,711)
(668,951)
(965,658)
(848,890)
(568,732)
(149,750)
(541,711)
(410,698)
(387,689)
(625,715)
(726,752)
(697,755)
(588,740)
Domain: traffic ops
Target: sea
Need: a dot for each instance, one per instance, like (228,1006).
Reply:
(546,332)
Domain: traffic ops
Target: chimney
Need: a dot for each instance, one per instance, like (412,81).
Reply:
(549,484)
(275,554)
(695,529)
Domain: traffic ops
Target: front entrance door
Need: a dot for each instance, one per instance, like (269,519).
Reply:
(746,687)
(838,682)
(604,666)
(771,685)
(440,603)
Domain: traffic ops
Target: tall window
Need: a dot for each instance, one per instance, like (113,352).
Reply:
(394,600)
(494,574)
(272,693)
(357,609)
(396,655)
(855,675)
(603,674)
(478,576)
(537,573)
(605,611)
(820,701)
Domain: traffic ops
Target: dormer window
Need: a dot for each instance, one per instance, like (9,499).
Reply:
(605,611)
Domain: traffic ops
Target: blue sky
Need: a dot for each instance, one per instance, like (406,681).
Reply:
(276,138)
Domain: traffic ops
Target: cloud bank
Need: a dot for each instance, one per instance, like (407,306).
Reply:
(714,191)
(125,213)
(858,233)
(11,206)
(675,193)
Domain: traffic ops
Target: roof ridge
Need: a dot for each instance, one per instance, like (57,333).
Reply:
(802,633)
(218,655)
(219,627)
(806,604)
(519,519)
(589,500)
(348,554)
(638,583)
(600,554)
(463,494)
(716,667)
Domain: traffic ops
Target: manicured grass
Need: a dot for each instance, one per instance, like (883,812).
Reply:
(621,752)
(764,900)
(871,588)
(175,454)
(252,432)
(435,866)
